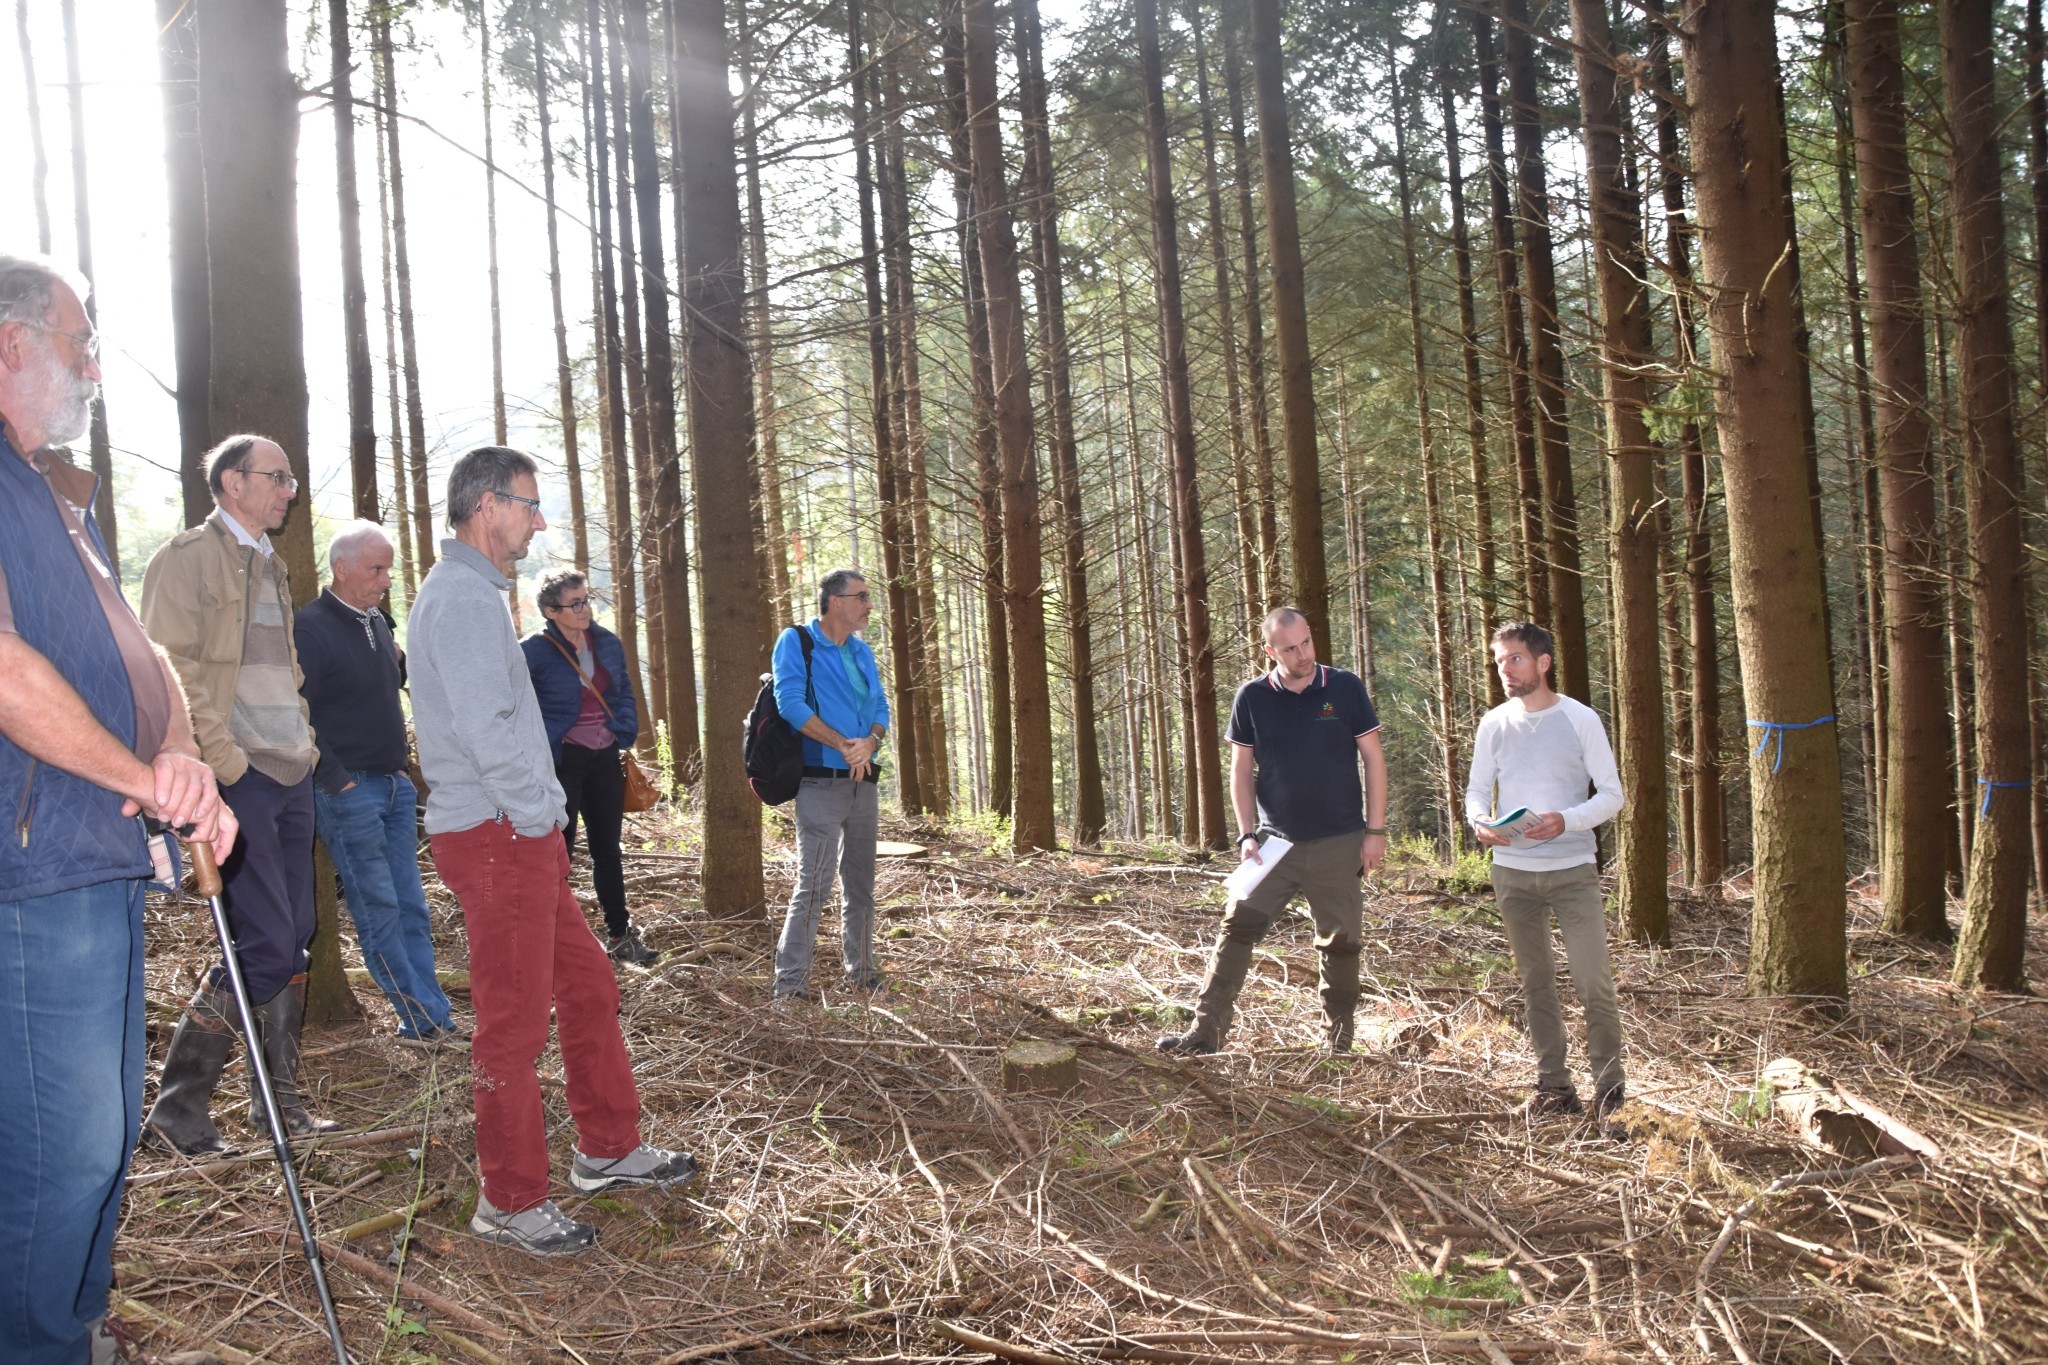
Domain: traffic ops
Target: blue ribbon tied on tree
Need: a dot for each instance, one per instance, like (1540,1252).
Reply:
(1775,730)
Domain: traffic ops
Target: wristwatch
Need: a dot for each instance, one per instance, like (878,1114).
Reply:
(1250,834)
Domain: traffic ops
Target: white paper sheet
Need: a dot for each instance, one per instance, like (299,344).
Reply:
(1249,874)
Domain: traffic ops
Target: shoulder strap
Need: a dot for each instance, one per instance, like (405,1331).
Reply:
(803,638)
(571,657)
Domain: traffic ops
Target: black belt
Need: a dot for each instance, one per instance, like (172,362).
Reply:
(874,774)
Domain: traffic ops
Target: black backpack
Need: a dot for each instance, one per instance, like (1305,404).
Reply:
(774,751)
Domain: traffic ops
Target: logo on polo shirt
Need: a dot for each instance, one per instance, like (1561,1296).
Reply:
(1329,711)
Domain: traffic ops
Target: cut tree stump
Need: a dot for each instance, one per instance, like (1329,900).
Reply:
(1040,1066)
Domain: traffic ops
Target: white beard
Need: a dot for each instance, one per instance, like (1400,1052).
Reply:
(68,399)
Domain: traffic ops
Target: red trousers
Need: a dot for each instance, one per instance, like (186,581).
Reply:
(530,949)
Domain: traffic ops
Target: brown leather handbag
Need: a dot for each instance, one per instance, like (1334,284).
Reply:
(641,793)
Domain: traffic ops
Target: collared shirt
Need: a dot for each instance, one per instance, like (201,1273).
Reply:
(261,544)
(1306,747)
(351,676)
(852,711)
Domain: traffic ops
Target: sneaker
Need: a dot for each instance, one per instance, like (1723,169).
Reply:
(1337,1037)
(873,984)
(1610,1100)
(628,948)
(644,1165)
(1189,1044)
(1543,1100)
(787,1002)
(542,1230)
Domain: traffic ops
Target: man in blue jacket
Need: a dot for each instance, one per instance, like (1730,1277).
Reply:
(93,730)
(831,694)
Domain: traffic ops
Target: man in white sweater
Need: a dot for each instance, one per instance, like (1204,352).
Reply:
(1542,752)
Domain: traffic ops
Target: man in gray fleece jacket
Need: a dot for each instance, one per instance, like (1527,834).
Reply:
(494,818)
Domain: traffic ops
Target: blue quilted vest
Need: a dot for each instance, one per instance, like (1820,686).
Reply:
(61,832)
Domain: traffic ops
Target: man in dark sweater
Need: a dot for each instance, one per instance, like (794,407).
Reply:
(370,826)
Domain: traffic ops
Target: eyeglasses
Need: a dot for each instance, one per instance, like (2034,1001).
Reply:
(856,596)
(89,344)
(580,604)
(532,504)
(281,477)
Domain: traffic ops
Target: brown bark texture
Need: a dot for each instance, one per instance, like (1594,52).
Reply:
(1031,820)
(1915,898)
(721,428)
(177,46)
(1990,951)
(1311,579)
(1209,823)
(1798,931)
(1642,857)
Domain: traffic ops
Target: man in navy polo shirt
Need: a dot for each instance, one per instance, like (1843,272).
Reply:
(1298,735)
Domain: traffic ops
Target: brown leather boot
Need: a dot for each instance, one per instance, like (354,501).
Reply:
(280,1020)
(199,1050)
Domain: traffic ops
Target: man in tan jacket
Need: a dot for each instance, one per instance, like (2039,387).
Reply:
(217,600)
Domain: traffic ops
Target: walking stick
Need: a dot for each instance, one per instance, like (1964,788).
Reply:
(206,873)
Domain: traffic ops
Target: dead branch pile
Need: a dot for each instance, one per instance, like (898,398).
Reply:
(874,1195)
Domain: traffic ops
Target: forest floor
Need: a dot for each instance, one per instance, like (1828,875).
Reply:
(871,1194)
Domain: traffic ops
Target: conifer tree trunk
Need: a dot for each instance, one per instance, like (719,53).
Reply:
(1290,324)
(2037,182)
(1208,821)
(1912,887)
(1272,571)
(1535,579)
(1052,321)
(81,203)
(394,420)
(483,23)
(1160,780)
(1641,852)
(1546,326)
(1244,492)
(1990,953)
(987,459)
(768,459)
(1031,821)
(637,406)
(618,465)
(355,303)
(424,543)
(927,694)
(249,142)
(565,386)
(39,172)
(672,551)
(861,78)
(1709,842)
(1798,934)
(1441,641)
(1468,348)
(178,61)
(721,417)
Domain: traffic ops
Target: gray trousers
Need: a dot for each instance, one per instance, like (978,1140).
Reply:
(1528,900)
(836,823)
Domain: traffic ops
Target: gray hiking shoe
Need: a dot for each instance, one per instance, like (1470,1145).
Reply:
(644,1165)
(628,948)
(542,1230)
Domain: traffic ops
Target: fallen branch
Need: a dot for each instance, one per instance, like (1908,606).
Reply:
(439,1303)
(814,1328)
(302,1148)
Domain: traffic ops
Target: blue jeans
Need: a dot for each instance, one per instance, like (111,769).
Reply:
(71,1060)
(371,833)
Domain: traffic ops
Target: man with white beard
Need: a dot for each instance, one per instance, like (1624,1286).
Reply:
(93,733)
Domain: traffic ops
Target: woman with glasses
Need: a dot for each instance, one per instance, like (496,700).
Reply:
(586,699)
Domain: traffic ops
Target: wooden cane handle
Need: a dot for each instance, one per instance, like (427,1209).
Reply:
(205,871)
